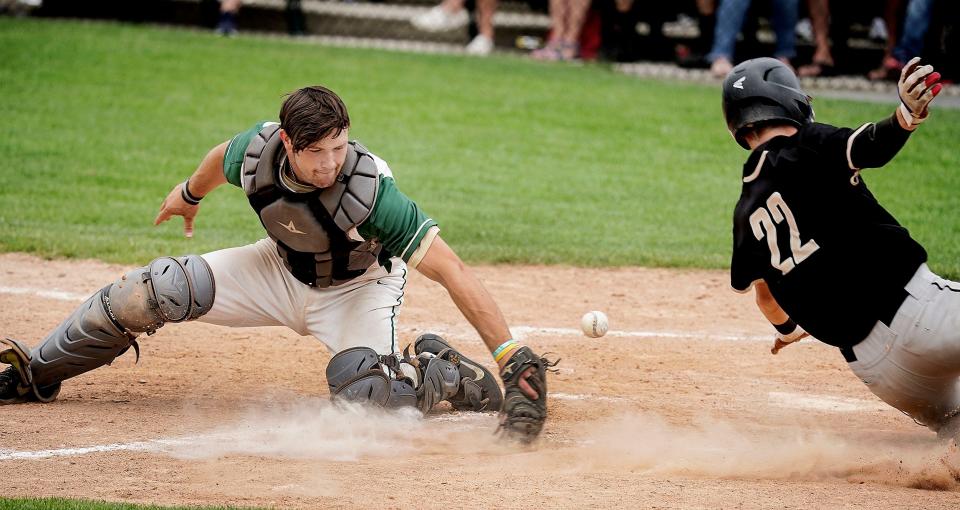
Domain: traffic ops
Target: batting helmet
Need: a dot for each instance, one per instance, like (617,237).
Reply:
(763,90)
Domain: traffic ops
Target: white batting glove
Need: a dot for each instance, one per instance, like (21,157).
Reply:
(918,85)
(784,340)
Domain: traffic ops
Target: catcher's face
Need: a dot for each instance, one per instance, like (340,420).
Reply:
(319,164)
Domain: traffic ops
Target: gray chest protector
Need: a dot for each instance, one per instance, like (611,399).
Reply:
(311,229)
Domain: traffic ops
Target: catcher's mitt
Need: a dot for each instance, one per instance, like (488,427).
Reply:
(522,417)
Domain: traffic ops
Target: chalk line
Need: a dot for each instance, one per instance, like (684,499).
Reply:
(152,445)
(519,332)
(823,402)
(59,295)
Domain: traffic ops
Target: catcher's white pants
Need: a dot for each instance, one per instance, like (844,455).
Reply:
(253,288)
(914,365)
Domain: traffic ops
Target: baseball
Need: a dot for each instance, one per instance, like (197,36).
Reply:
(594,324)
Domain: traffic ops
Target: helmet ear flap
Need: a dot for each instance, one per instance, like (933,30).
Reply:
(811,114)
(806,109)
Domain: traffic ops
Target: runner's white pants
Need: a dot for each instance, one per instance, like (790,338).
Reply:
(914,365)
(253,288)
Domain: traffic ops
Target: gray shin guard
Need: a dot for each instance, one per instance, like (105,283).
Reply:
(358,374)
(108,323)
(441,380)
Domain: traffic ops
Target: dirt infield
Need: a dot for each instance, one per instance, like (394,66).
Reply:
(681,406)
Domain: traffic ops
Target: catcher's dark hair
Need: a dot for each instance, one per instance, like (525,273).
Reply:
(311,114)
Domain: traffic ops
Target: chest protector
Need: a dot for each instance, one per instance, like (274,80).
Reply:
(312,229)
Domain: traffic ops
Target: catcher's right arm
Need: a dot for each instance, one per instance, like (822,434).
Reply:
(524,395)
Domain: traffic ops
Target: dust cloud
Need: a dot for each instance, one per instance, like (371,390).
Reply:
(637,442)
(720,449)
(321,430)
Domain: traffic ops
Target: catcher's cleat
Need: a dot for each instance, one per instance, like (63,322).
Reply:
(10,386)
(16,381)
(478,390)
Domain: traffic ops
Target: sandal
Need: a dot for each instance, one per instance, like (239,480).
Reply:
(817,69)
(551,51)
(889,70)
(569,51)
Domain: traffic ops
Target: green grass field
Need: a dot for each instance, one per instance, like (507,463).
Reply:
(519,161)
(74,504)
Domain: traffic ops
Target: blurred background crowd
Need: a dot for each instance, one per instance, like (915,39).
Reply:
(871,38)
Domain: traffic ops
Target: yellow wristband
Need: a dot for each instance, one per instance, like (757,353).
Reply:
(510,348)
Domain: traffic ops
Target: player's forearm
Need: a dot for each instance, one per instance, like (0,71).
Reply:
(768,305)
(477,306)
(209,174)
(443,266)
(788,331)
(878,143)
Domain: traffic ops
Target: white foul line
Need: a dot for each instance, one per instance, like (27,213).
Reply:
(521,331)
(59,295)
(140,446)
(518,331)
(823,402)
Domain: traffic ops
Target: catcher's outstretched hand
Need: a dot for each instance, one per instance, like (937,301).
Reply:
(918,85)
(175,205)
(524,408)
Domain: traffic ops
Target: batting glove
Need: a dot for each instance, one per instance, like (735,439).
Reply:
(918,85)
(782,340)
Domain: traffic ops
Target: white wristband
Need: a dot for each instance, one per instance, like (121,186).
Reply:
(793,336)
(908,116)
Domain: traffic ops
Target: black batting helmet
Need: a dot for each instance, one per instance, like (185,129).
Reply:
(762,90)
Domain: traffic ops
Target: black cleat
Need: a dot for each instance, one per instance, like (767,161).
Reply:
(479,390)
(11,389)
(16,380)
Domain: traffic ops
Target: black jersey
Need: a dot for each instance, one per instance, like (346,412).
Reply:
(806,224)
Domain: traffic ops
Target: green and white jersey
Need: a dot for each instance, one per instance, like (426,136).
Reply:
(396,221)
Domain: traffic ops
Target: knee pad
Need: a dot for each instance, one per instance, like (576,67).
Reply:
(168,290)
(359,374)
(108,323)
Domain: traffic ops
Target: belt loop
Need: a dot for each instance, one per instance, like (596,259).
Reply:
(921,286)
(848,355)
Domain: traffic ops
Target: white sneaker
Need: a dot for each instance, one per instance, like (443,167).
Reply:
(805,30)
(437,19)
(878,29)
(481,45)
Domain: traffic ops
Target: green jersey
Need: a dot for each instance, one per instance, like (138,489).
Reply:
(396,221)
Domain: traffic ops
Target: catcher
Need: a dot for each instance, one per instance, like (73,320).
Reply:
(825,257)
(340,239)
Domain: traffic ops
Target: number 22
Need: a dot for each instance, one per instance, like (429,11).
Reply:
(765,222)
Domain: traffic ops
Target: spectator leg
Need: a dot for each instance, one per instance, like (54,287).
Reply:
(559,12)
(296,23)
(915,26)
(890,66)
(485,10)
(784,20)
(706,22)
(730,16)
(820,18)
(891,14)
(576,14)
